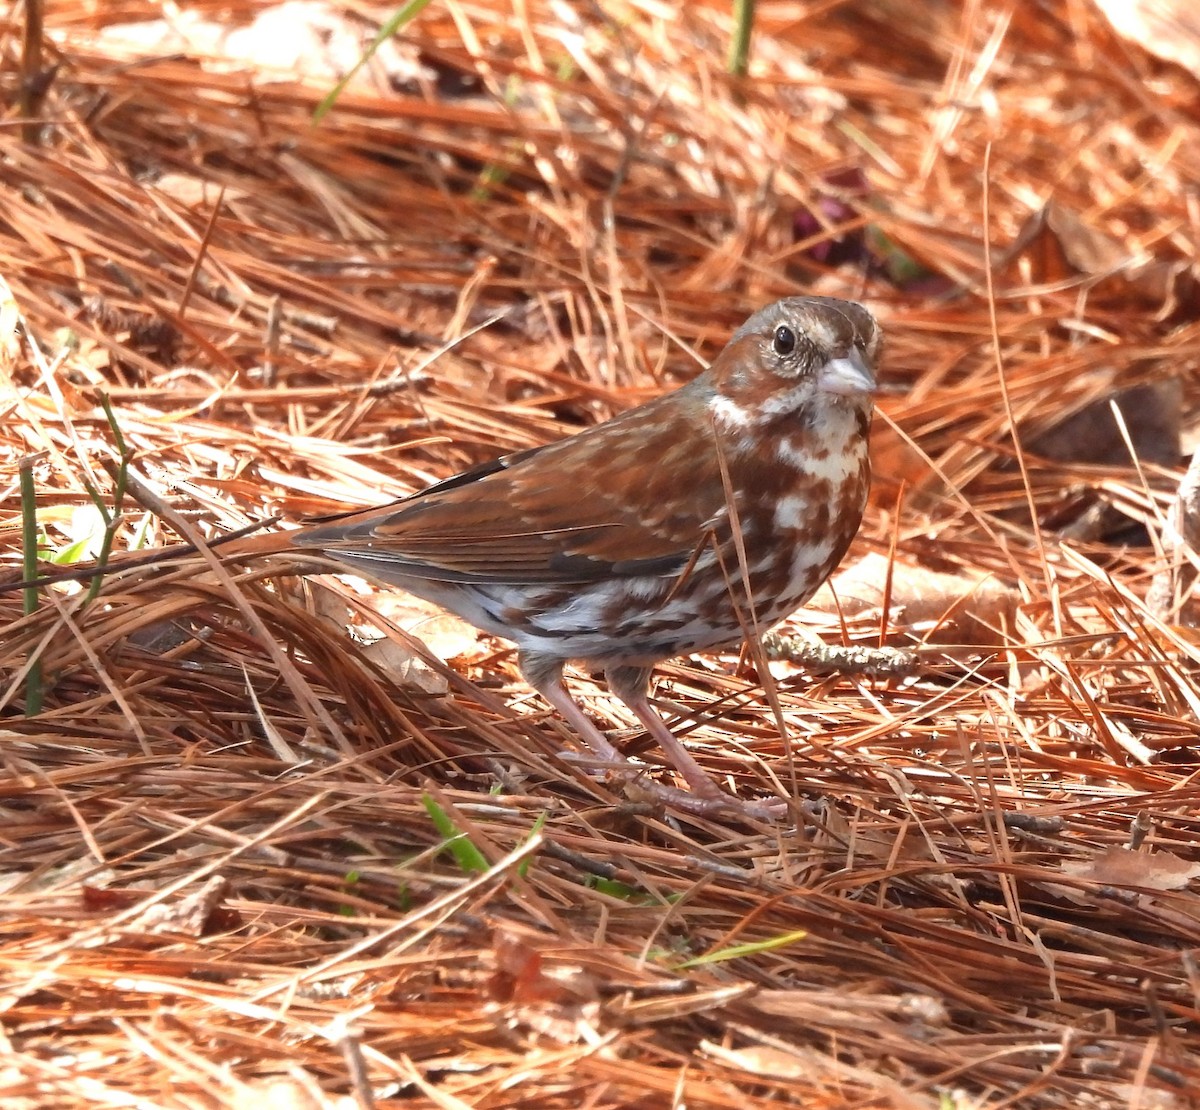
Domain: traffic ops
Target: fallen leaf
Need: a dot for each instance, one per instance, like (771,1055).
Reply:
(1168,29)
(1123,867)
(963,608)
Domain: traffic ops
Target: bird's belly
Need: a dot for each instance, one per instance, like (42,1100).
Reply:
(631,620)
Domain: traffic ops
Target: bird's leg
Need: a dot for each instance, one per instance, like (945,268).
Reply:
(631,685)
(704,799)
(545,677)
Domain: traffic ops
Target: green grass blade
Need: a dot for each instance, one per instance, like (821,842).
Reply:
(738,950)
(405,15)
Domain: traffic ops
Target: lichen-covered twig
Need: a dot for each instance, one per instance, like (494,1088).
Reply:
(840,658)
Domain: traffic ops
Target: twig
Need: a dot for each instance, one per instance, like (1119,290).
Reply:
(818,656)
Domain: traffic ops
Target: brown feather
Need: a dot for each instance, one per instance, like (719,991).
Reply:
(623,512)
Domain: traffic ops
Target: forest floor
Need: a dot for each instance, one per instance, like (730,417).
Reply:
(271,841)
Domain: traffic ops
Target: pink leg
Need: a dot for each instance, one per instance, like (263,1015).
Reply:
(705,798)
(684,762)
(631,685)
(711,801)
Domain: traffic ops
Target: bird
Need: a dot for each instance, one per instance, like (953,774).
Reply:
(686,524)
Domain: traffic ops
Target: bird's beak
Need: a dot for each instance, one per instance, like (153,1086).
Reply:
(846,376)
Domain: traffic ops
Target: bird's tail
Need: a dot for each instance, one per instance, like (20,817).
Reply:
(242,544)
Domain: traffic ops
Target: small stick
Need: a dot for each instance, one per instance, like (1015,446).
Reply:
(880,662)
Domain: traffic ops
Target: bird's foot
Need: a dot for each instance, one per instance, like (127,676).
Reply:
(705,799)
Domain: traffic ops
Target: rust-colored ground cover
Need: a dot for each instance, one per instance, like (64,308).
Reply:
(223,838)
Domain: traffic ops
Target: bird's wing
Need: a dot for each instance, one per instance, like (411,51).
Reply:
(637,496)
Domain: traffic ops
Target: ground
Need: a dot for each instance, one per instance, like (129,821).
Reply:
(269,840)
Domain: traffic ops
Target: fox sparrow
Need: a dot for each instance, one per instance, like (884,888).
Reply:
(690,522)
(687,523)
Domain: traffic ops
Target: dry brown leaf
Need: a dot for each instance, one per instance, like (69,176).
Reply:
(1122,867)
(1169,29)
(187,915)
(1147,430)
(922,602)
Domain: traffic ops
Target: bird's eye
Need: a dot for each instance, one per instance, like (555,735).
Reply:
(785,340)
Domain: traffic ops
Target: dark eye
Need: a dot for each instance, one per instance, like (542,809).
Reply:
(785,340)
